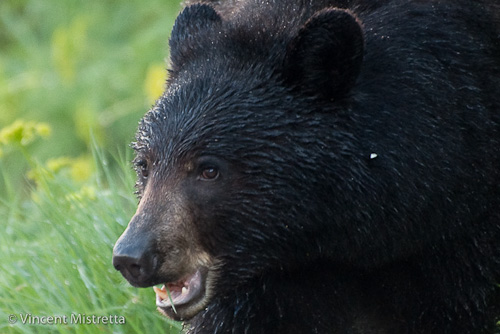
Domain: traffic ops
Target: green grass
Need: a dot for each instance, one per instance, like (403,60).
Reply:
(75,78)
(56,253)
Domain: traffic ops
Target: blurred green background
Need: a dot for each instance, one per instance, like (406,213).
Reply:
(75,78)
(83,67)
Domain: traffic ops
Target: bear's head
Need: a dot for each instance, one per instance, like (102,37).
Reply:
(235,160)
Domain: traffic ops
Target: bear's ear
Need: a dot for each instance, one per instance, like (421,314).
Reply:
(191,22)
(326,55)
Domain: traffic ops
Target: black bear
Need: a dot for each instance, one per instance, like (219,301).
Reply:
(323,167)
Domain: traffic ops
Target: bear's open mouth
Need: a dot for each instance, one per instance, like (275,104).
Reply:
(184,298)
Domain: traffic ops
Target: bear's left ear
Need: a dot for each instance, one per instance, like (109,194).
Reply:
(325,57)
(188,31)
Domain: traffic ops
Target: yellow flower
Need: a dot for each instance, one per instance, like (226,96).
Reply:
(155,81)
(12,133)
(43,130)
(81,169)
(68,43)
(23,133)
(55,165)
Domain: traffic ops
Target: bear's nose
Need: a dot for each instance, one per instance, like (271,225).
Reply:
(137,269)
(134,260)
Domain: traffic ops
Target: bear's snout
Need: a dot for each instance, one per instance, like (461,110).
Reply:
(133,257)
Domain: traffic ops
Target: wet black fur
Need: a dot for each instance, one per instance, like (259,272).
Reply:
(314,235)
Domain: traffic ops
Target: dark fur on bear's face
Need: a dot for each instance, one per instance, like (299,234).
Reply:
(324,168)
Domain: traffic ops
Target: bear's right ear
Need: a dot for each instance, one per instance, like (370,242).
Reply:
(192,21)
(325,57)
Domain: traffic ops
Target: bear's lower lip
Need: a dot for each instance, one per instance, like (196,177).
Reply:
(178,300)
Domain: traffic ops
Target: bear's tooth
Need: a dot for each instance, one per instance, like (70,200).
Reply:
(162,293)
(184,290)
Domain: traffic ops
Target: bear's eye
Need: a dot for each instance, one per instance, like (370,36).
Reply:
(142,167)
(209,174)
